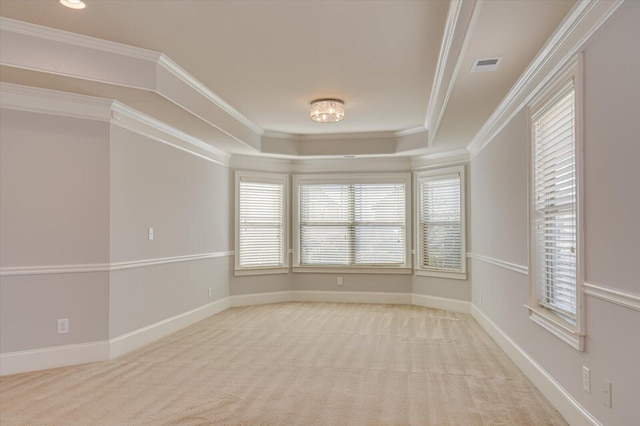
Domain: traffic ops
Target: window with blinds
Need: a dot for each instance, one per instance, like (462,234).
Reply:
(555,203)
(440,217)
(352,223)
(261,227)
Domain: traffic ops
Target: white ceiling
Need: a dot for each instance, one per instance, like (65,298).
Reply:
(269,59)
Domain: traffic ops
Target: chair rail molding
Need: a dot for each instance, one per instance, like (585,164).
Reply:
(501,263)
(106,267)
(618,297)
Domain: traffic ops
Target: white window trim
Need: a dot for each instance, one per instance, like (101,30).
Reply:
(573,335)
(435,272)
(266,177)
(346,179)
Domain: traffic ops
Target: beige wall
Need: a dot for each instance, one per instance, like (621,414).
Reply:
(55,183)
(612,197)
(186,200)
(80,193)
(183,197)
(54,211)
(390,283)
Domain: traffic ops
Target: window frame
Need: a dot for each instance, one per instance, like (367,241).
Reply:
(418,238)
(265,178)
(355,178)
(561,327)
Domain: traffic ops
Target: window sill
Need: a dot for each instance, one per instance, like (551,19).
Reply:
(554,325)
(441,274)
(261,271)
(351,270)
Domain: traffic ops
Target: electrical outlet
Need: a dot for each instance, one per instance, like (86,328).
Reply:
(340,281)
(151,234)
(586,379)
(210,292)
(63,326)
(606,393)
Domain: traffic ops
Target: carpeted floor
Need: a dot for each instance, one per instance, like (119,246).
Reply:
(293,364)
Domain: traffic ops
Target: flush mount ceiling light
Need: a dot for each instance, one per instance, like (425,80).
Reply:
(327,110)
(73,4)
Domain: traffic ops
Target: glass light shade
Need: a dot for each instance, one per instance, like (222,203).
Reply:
(327,110)
(73,4)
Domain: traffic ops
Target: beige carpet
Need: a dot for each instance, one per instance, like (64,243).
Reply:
(293,364)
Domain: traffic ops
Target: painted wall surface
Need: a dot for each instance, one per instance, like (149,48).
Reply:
(183,197)
(443,287)
(251,284)
(186,200)
(390,283)
(612,206)
(54,204)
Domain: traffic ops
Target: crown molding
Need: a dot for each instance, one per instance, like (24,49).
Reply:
(136,121)
(137,68)
(348,164)
(75,39)
(260,163)
(412,131)
(578,26)
(54,102)
(124,66)
(64,104)
(280,135)
(320,165)
(439,159)
(168,64)
(332,136)
(461,19)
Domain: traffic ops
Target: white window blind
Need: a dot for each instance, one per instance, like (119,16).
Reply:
(261,225)
(440,223)
(555,214)
(352,224)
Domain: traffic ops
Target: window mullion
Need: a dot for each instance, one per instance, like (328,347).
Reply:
(351,235)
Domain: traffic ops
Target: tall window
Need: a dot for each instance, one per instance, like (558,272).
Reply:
(260,223)
(556,203)
(350,221)
(440,229)
(555,231)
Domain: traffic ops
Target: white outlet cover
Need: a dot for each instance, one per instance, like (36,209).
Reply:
(63,326)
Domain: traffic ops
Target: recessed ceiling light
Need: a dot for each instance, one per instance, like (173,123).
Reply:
(73,4)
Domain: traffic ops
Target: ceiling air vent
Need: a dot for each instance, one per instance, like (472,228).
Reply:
(485,65)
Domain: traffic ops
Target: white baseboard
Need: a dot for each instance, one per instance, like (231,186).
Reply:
(352,297)
(53,357)
(434,302)
(568,407)
(261,298)
(61,356)
(136,339)
(321,296)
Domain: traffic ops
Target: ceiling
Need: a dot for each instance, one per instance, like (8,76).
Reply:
(401,67)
